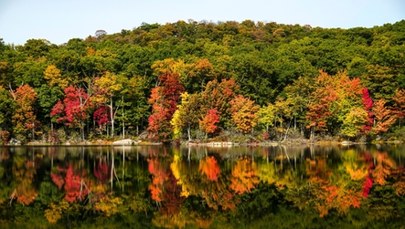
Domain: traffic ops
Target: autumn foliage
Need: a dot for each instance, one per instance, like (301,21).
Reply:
(209,121)
(210,168)
(72,110)
(368,106)
(244,176)
(243,111)
(72,182)
(24,118)
(164,99)
(384,117)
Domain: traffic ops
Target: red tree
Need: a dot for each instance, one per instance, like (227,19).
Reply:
(208,123)
(164,99)
(101,115)
(72,111)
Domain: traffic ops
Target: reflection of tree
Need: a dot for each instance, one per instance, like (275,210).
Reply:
(109,205)
(329,190)
(164,188)
(101,170)
(268,173)
(159,177)
(383,168)
(244,176)
(24,172)
(389,183)
(353,166)
(399,185)
(214,192)
(73,182)
(183,219)
(209,167)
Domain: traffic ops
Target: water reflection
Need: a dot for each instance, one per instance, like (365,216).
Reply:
(175,187)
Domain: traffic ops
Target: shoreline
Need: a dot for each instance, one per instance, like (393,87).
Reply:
(211,144)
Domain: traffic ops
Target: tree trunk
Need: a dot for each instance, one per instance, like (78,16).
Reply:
(82,131)
(33,131)
(312,136)
(123,130)
(189,133)
(112,117)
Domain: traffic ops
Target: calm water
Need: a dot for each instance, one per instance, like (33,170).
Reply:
(239,187)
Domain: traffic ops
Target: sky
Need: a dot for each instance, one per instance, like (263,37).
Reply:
(61,20)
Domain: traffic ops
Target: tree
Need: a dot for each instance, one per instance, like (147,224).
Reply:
(102,116)
(54,77)
(368,106)
(73,109)
(106,88)
(298,94)
(209,121)
(218,95)
(6,112)
(384,117)
(320,103)
(186,115)
(133,105)
(164,100)
(399,99)
(267,116)
(354,122)
(24,118)
(243,111)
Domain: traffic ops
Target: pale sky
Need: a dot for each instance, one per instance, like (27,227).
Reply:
(60,20)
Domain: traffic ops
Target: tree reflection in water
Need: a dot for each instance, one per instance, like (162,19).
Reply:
(202,187)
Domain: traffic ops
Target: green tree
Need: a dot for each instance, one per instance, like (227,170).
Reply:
(354,121)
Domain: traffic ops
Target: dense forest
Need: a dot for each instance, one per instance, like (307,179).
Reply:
(197,80)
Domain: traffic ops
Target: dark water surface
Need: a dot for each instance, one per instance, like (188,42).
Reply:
(239,187)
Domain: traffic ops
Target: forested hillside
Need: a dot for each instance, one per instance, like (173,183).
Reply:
(197,80)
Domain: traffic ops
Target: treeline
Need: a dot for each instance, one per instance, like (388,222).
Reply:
(193,80)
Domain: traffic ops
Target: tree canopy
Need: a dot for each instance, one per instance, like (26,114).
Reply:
(254,75)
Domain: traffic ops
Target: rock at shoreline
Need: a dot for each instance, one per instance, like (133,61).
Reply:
(14,142)
(346,143)
(125,142)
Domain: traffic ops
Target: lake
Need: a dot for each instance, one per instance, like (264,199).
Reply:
(174,187)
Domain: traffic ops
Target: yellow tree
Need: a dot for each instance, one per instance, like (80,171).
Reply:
(106,88)
(54,77)
(266,116)
(244,113)
(354,121)
(186,115)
